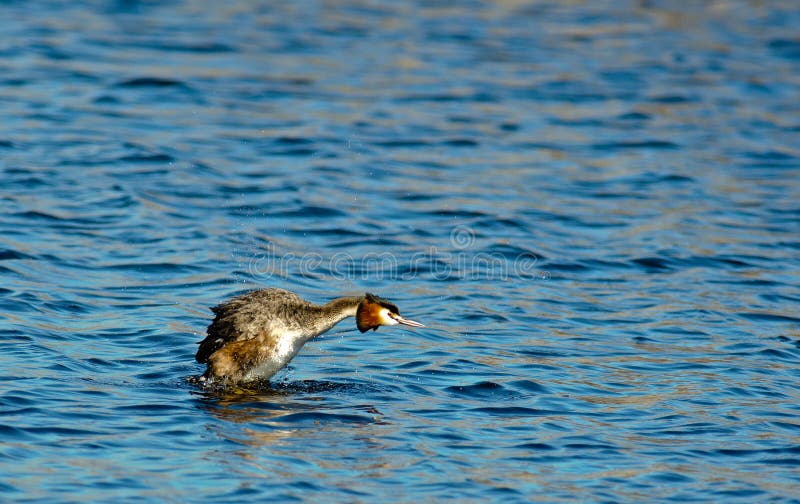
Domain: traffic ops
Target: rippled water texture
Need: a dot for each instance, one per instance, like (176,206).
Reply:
(594,207)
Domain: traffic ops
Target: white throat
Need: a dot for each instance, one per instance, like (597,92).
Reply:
(385,318)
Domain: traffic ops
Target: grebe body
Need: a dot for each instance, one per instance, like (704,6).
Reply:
(256,334)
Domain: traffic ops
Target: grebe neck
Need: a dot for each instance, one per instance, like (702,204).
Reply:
(333,312)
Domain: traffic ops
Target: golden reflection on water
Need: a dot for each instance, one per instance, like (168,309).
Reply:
(266,407)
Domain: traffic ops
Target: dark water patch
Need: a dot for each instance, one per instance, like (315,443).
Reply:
(106,100)
(769,159)
(789,244)
(516,411)
(512,252)
(575,122)
(654,264)
(154,375)
(38,215)
(58,432)
(775,354)
(481,390)
(446,98)
(440,372)
(593,446)
(64,367)
(147,158)
(783,461)
(725,262)
(540,353)
(447,434)
(751,452)
(535,446)
(10,335)
(245,189)
(401,143)
(461,213)
(680,331)
(484,316)
(672,99)
(604,264)
(157,408)
(154,268)
(185,47)
(331,170)
(413,364)
(672,178)
(309,211)
(155,82)
(794,427)
(634,116)
(669,478)
(10,254)
(7,488)
(69,222)
(10,434)
(500,223)
(460,142)
(643,144)
(22,301)
(293,141)
(785,48)
(137,171)
(542,146)
(769,317)
(68,307)
(748,283)
(16,400)
(322,418)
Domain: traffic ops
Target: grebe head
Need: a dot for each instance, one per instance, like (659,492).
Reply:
(374,312)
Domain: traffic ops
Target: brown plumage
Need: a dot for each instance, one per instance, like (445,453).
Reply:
(254,335)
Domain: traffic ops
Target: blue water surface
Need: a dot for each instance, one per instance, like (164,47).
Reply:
(593,206)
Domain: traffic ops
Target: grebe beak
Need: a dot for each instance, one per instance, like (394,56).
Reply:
(405,321)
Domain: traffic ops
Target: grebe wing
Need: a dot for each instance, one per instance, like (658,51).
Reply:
(243,317)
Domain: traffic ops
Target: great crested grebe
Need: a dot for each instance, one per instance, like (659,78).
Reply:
(254,335)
